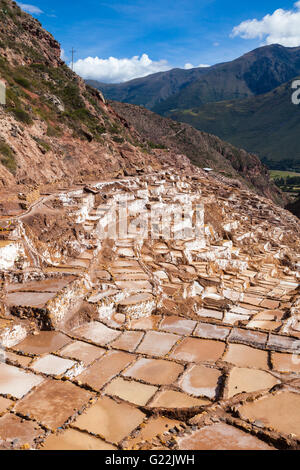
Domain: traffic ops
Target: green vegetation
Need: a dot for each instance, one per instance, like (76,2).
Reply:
(275,174)
(153,145)
(288,165)
(22,115)
(7,157)
(44,146)
(53,131)
(118,140)
(35,90)
(23,82)
(43,81)
(7,11)
(287,181)
(115,129)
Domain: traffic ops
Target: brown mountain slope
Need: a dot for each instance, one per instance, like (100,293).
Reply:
(201,148)
(54,128)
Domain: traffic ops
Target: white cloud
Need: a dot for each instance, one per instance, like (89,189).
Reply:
(281,27)
(30,8)
(115,70)
(189,66)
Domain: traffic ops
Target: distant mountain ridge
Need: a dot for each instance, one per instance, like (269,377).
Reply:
(151,90)
(256,72)
(246,102)
(268,125)
(253,74)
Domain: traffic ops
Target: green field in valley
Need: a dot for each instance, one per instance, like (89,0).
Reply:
(287,181)
(282,174)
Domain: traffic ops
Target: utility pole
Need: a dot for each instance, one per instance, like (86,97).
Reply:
(73,52)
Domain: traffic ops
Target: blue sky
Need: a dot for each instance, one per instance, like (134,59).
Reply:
(170,33)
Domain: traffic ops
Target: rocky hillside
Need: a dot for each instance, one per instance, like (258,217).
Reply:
(54,128)
(204,150)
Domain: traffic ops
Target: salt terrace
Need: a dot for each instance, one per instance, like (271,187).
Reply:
(153,343)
